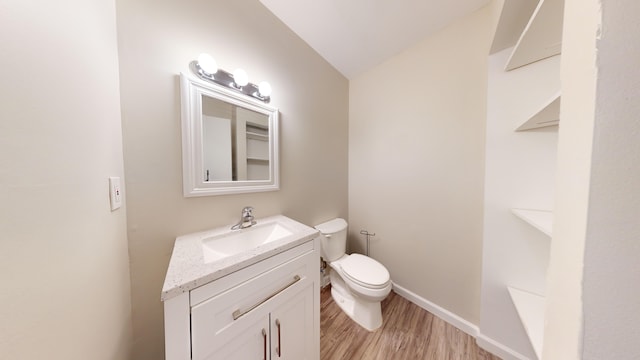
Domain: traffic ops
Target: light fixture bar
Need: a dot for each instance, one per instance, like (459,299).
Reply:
(226,79)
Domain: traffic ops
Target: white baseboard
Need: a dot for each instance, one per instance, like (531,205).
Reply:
(484,342)
(498,349)
(436,310)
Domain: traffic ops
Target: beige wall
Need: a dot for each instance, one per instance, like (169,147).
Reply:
(416,164)
(157,40)
(64,267)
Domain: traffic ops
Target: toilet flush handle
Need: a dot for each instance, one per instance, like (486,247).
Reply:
(325,235)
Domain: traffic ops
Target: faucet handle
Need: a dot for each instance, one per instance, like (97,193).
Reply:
(247,210)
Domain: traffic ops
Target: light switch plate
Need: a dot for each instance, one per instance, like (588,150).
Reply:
(115,192)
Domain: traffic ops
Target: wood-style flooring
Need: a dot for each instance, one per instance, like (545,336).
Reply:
(408,333)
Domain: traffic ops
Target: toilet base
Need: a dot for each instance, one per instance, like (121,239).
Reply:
(365,313)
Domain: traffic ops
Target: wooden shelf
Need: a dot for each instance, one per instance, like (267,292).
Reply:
(514,17)
(539,219)
(548,115)
(530,308)
(542,37)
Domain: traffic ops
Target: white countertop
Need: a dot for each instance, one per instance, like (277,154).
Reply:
(187,269)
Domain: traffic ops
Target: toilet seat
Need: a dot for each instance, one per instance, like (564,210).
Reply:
(365,271)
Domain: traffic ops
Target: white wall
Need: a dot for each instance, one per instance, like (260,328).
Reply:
(563,316)
(520,169)
(64,266)
(157,40)
(416,164)
(592,310)
(612,270)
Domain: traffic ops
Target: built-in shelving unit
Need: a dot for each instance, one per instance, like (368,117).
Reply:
(257,149)
(548,115)
(257,136)
(542,37)
(530,308)
(252,143)
(528,91)
(514,17)
(539,219)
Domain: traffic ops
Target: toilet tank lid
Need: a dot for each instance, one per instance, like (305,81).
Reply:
(332,226)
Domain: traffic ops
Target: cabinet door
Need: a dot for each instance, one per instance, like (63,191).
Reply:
(216,336)
(229,325)
(292,327)
(249,344)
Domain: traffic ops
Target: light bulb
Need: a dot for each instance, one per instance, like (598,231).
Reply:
(264,88)
(207,64)
(240,77)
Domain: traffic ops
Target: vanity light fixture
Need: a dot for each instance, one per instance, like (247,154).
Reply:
(264,89)
(207,64)
(206,68)
(240,77)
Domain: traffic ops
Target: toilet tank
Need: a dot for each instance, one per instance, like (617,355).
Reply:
(334,242)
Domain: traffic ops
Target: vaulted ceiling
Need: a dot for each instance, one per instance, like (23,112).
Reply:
(355,35)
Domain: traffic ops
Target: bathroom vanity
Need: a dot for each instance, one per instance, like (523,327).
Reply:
(244,294)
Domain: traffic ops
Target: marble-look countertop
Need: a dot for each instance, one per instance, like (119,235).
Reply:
(187,269)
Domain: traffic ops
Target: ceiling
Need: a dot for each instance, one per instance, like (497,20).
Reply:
(355,35)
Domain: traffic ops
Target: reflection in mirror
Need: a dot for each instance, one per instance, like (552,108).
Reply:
(235,142)
(229,141)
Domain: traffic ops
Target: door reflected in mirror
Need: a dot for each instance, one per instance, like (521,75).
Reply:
(235,142)
(229,142)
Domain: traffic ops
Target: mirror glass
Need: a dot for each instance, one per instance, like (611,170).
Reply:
(229,141)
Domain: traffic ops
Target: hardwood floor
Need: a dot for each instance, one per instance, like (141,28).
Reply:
(408,333)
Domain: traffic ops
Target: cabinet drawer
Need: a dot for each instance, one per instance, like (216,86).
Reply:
(226,316)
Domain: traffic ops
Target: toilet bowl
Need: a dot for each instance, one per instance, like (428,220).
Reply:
(358,282)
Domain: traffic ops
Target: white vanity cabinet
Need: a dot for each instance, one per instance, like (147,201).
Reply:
(267,310)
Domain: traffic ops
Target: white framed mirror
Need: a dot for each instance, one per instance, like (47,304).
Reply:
(229,141)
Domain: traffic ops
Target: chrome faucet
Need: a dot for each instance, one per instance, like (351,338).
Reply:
(246,220)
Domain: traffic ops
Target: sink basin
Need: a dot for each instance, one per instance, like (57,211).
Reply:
(238,241)
(201,257)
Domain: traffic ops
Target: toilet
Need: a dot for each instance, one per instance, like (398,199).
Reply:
(358,282)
